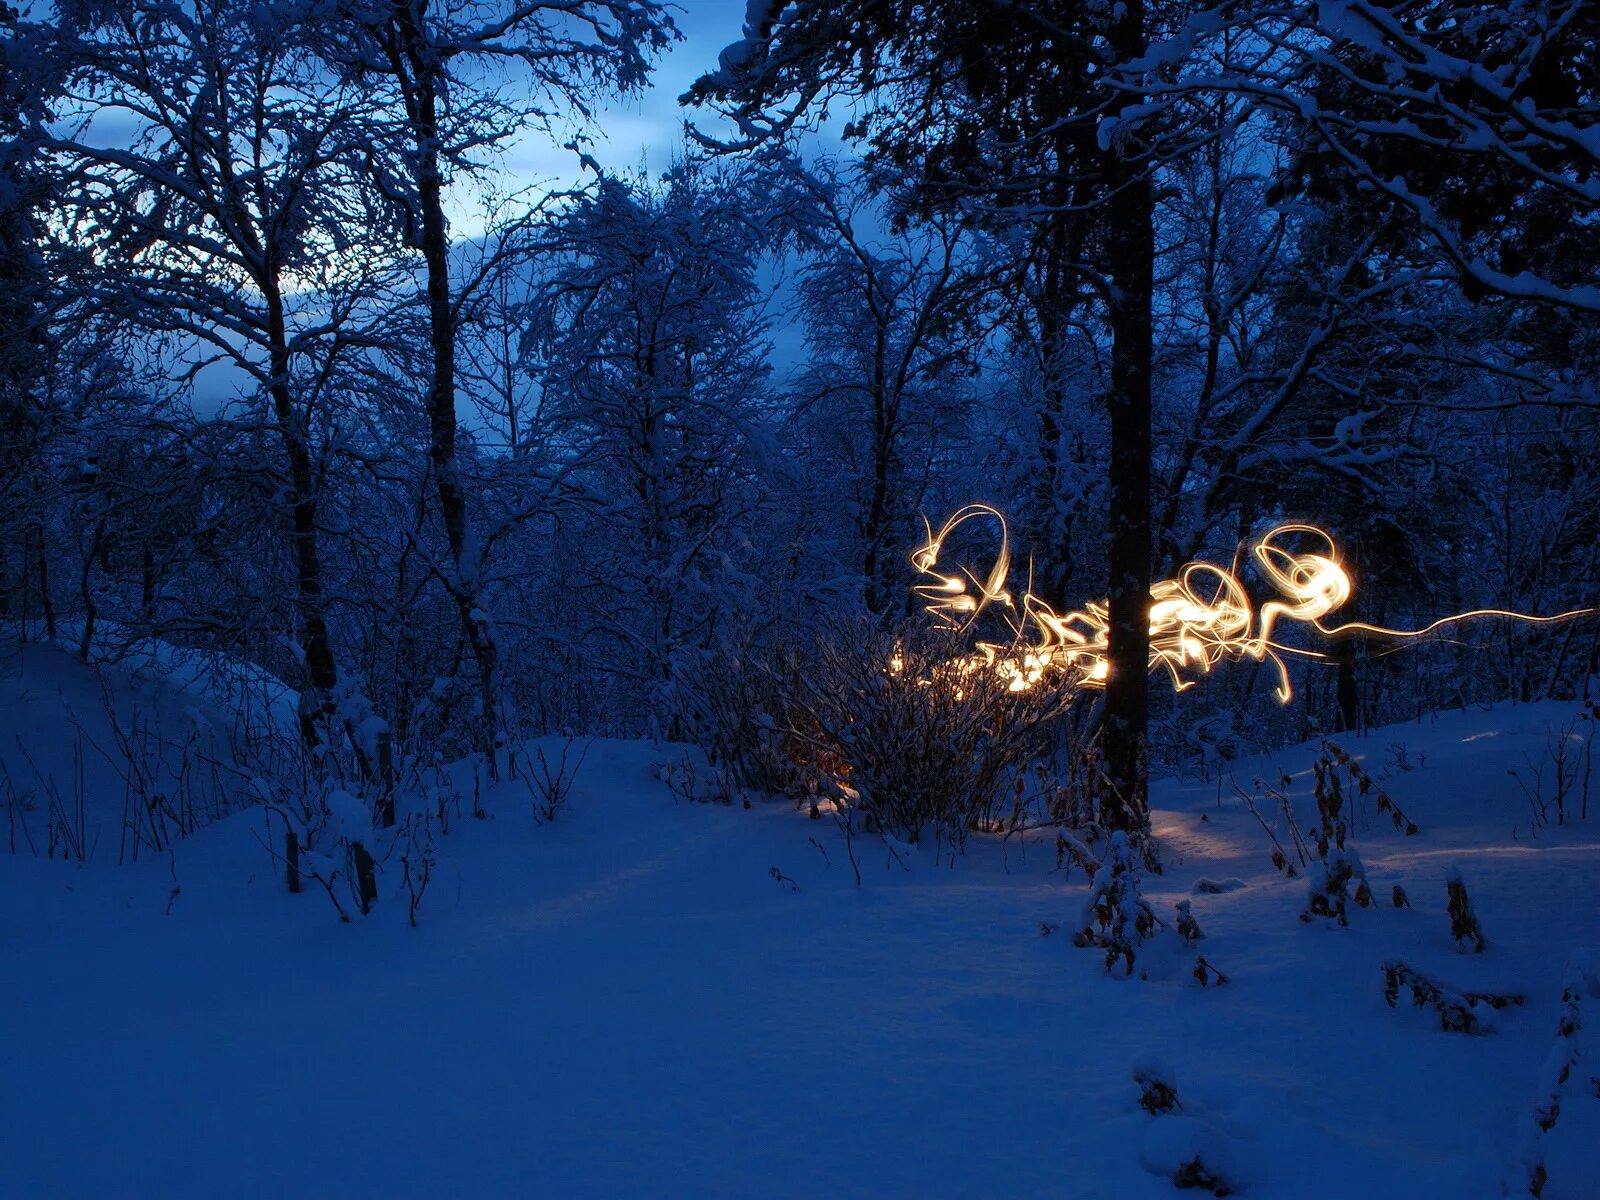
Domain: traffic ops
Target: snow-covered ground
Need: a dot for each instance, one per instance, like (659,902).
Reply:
(628,1002)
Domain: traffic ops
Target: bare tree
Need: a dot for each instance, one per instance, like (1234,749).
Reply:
(648,340)
(894,327)
(1475,118)
(441,71)
(211,170)
(1033,116)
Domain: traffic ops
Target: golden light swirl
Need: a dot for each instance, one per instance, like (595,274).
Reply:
(1197,619)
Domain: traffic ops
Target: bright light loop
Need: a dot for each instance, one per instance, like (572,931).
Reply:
(1197,619)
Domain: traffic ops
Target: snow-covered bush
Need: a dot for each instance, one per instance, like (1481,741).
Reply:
(1187,927)
(1459,1011)
(1330,880)
(910,737)
(1579,981)
(1335,873)
(354,810)
(1182,1147)
(1338,866)
(1116,918)
(321,826)
(734,707)
(1362,783)
(1156,1094)
(1464,925)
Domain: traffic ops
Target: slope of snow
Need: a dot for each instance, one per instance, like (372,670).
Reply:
(628,1002)
(67,731)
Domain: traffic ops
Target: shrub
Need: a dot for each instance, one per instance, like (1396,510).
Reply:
(1459,1011)
(908,734)
(1578,981)
(1117,919)
(1464,925)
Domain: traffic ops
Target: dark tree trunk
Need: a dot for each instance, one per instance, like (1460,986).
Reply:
(1055,560)
(423,71)
(1059,288)
(366,879)
(91,611)
(1130,262)
(1346,691)
(47,605)
(1347,683)
(1346,653)
(872,567)
(321,674)
(147,583)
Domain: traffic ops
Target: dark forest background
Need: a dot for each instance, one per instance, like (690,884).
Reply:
(1150,278)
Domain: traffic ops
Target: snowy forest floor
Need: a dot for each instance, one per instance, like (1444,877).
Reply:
(627,1002)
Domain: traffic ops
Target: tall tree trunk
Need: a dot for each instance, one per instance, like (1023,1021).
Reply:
(316,646)
(1130,260)
(1347,684)
(1054,562)
(147,583)
(47,605)
(872,567)
(1347,691)
(91,610)
(425,74)
(1058,299)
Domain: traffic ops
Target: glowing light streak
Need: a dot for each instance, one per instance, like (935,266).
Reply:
(1199,618)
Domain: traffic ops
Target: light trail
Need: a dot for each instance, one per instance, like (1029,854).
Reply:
(1199,618)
